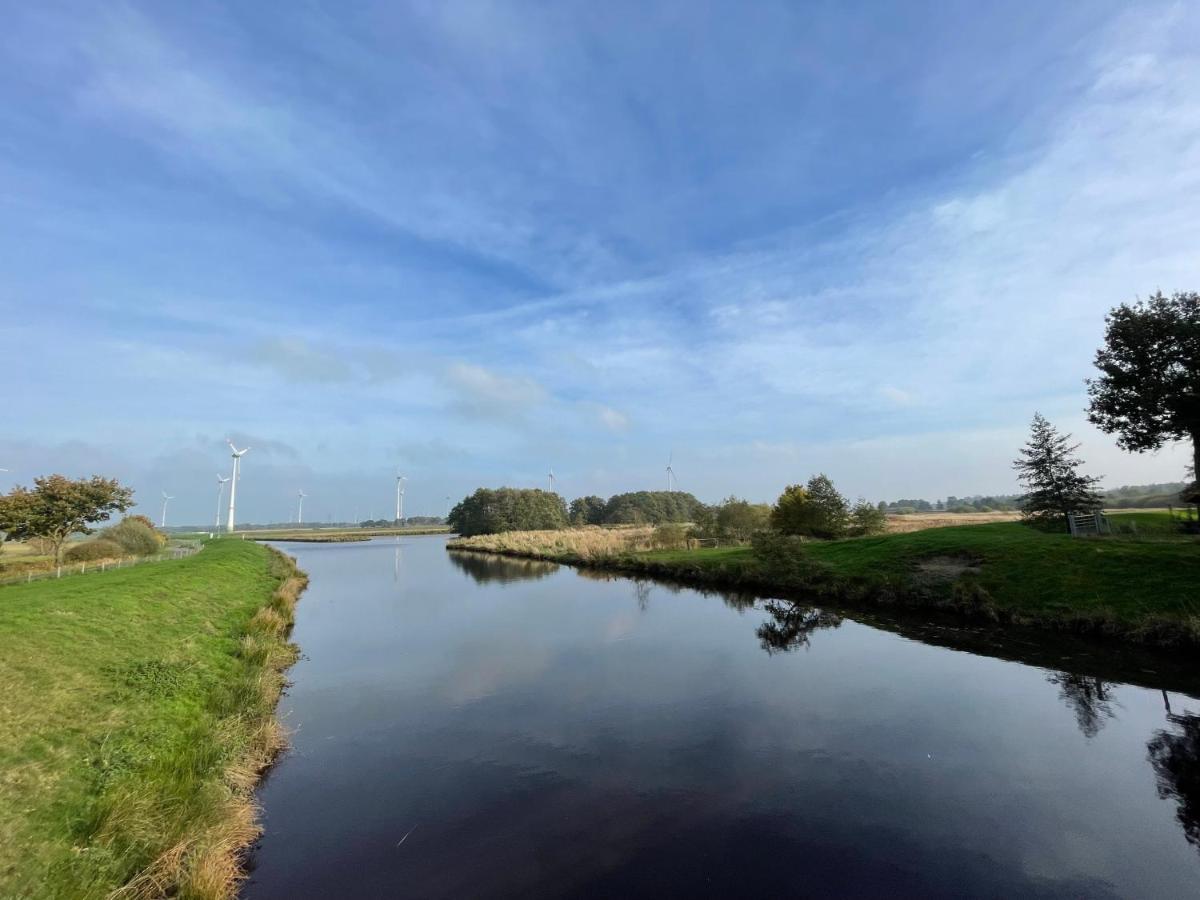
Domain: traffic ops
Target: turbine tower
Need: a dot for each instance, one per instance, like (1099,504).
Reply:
(552,481)
(233,481)
(300,509)
(400,480)
(167,498)
(221,482)
(672,483)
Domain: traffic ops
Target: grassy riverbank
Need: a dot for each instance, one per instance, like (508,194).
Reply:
(1139,587)
(136,713)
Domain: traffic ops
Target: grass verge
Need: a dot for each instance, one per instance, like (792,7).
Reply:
(1136,587)
(136,715)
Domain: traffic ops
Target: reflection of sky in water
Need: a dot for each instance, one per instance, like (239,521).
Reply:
(553,734)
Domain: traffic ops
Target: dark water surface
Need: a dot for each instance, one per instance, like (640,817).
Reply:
(470,726)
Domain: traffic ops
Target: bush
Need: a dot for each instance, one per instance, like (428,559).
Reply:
(134,536)
(866,519)
(670,535)
(89,551)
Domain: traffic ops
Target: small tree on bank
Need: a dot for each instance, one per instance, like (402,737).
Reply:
(1049,470)
(815,510)
(866,519)
(58,507)
(1148,391)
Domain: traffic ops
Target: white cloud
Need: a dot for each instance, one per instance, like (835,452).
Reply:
(486,394)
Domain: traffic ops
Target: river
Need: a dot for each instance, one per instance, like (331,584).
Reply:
(473,726)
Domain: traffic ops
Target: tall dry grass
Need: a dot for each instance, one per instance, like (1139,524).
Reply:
(592,542)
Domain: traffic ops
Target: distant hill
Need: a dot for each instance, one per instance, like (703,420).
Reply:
(1143,496)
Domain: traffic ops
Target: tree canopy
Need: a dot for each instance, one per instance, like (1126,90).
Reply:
(814,510)
(488,511)
(57,507)
(1049,469)
(1148,390)
(587,510)
(652,508)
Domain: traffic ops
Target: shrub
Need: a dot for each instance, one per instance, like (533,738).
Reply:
(670,535)
(867,519)
(738,519)
(98,548)
(135,537)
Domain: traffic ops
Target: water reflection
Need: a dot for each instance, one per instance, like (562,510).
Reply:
(486,568)
(1088,697)
(1175,755)
(543,738)
(792,624)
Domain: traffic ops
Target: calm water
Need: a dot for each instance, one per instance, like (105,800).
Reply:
(469,726)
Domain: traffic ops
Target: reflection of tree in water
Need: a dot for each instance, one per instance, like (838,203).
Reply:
(486,568)
(791,624)
(1175,756)
(1089,698)
(641,592)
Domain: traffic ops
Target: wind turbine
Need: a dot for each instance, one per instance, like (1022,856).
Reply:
(552,481)
(400,480)
(233,481)
(221,482)
(167,498)
(300,510)
(672,482)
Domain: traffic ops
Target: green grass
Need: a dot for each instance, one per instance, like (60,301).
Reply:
(136,709)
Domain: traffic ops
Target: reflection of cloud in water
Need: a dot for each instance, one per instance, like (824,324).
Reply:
(620,626)
(1175,755)
(486,568)
(483,668)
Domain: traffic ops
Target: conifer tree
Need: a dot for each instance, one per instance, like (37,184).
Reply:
(1049,470)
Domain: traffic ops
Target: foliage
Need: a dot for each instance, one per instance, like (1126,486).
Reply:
(135,536)
(1048,468)
(670,535)
(815,510)
(139,704)
(866,519)
(490,511)
(97,548)
(58,507)
(652,508)
(587,510)
(789,515)
(1148,391)
(739,519)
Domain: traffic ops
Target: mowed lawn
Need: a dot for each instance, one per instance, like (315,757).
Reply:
(125,699)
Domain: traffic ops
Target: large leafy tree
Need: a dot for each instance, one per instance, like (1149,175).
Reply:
(1049,469)
(57,507)
(814,510)
(1148,390)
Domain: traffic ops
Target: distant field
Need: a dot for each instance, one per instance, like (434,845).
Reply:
(921,521)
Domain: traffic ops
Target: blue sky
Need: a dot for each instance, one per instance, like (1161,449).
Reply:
(480,240)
